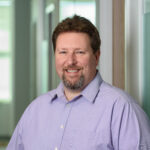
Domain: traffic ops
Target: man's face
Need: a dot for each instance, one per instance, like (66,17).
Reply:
(74,59)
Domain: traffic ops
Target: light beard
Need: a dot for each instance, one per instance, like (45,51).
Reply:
(73,86)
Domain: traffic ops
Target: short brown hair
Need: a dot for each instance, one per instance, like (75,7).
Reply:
(78,24)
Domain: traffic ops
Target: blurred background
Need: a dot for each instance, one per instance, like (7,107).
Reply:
(27,66)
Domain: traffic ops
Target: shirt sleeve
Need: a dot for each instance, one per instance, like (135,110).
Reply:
(130,127)
(15,142)
(18,140)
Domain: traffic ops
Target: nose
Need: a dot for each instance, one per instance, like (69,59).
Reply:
(71,60)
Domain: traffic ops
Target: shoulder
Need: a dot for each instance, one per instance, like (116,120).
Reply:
(118,101)
(122,104)
(39,104)
(114,94)
(44,98)
(125,117)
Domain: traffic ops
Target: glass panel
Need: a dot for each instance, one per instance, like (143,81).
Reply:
(4,40)
(146,6)
(5,79)
(5,50)
(5,23)
(83,8)
(146,63)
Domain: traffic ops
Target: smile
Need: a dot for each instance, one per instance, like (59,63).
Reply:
(72,71)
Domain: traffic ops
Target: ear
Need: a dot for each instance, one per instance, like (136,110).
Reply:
(97,55)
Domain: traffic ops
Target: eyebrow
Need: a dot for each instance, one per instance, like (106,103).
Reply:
(76,49)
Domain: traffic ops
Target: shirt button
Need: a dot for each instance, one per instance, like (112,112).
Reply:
(56,148)
(62,127)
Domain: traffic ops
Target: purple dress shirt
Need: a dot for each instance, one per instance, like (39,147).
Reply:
(102,117)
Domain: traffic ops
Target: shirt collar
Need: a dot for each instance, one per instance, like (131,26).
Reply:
(58,92)
(90,91)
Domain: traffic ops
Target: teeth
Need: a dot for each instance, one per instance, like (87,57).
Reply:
(72,71)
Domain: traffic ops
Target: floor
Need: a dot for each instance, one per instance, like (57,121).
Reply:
(3,144)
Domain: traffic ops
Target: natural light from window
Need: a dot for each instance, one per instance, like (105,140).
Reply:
(5,51)
(83,8)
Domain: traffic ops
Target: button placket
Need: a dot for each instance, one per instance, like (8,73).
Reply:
(63,123)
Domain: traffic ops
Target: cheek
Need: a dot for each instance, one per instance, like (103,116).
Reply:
(90,63)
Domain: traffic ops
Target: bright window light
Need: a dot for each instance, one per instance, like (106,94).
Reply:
(5,52)
(4,40)
(86,9)
(5,79)
(5,3)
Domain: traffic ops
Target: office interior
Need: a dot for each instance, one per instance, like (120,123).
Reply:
(27,66)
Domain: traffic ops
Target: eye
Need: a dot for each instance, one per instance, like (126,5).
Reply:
(62,52)
(80,52)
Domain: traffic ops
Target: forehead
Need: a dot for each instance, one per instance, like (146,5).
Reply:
(73,38)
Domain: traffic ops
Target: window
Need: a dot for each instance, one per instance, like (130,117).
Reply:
(86,8)
(5,51)
(146,57)
(137,48)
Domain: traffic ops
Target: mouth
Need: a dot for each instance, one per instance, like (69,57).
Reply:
(72,70)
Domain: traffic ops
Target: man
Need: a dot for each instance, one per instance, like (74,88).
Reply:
(84,112)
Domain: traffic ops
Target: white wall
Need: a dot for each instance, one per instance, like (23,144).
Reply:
(133,48)
(105,8)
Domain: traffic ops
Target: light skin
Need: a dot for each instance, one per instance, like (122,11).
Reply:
(74,58)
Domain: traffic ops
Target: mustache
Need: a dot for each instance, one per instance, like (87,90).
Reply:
(72,67)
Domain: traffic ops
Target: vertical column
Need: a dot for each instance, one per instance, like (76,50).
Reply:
(146,66)
(105,15)
(118,43)
(21,80)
